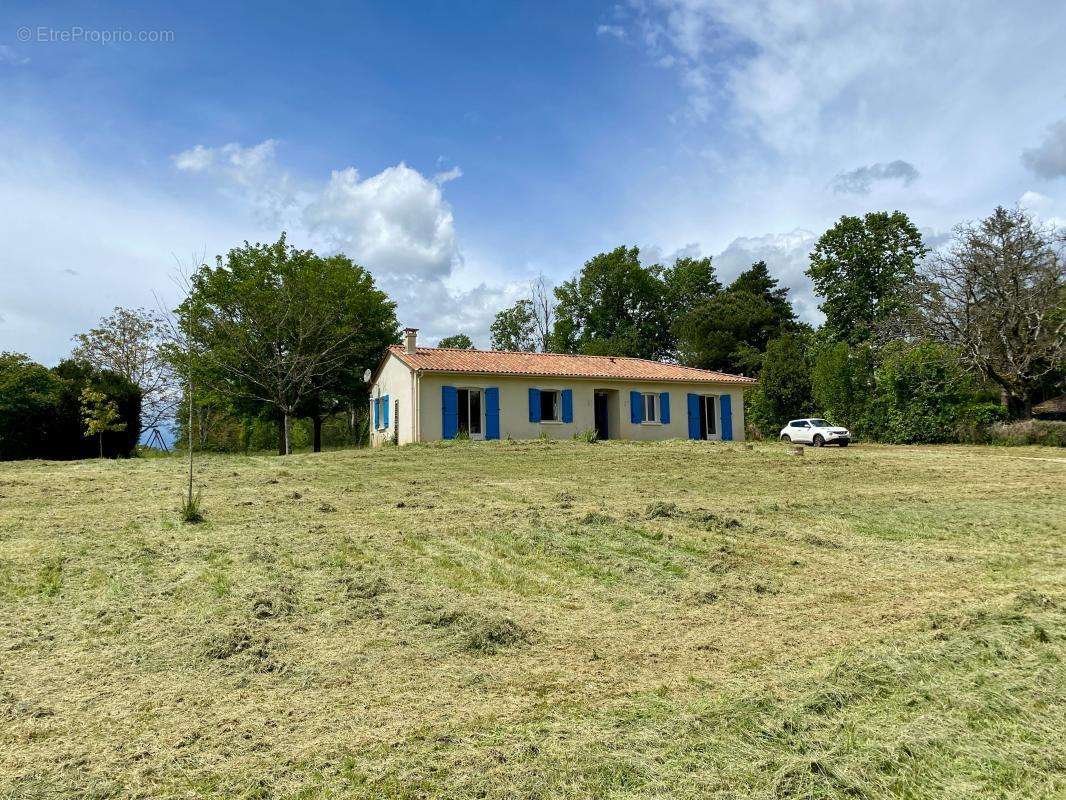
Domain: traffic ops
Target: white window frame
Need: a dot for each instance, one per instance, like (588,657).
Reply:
(379,404)
(557,406)
(656,417)
(482,418)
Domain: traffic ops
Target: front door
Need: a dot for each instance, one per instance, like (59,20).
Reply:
(601,416)
(470,413)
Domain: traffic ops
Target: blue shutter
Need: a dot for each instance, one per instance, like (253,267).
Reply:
(726,404)
(693,416)
(664,408)
(385,411)
(534,405)
(636,408)
(449,425)
(568,405)
(376,403)
(492,413)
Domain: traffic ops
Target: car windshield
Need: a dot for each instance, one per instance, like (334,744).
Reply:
(819,423)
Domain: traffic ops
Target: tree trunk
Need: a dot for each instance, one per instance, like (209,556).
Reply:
(288,437)
(317,422)
(100,438)
(1019,406)
(281,436)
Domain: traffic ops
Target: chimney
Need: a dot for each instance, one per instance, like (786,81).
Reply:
(410,340)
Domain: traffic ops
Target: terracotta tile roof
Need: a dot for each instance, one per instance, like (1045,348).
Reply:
(1056,405)
(556,365)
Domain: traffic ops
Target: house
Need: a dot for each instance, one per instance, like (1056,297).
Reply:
(1053,409)
(421,394)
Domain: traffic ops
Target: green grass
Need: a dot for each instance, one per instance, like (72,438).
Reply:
(538,620)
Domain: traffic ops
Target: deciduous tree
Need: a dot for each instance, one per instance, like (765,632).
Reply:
(274,325)
(459,341)
(998,296)
(614,306)
(99,415)
(130,342)
(861,267)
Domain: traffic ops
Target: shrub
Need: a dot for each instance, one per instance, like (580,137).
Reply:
(842,382)
(1031,431)
(69,440)
(29,407)
(41,410)
(784,390)
(923,395)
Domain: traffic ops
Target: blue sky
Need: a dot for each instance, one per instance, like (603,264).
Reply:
(460,149)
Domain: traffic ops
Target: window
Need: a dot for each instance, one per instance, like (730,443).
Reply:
(651,407)
(801,423)
(819,423)
(549,406)
(381,410)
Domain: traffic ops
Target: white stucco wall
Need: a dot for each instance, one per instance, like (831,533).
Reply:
(514,406)
(396,381)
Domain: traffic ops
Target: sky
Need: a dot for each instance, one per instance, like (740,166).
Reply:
(460,149)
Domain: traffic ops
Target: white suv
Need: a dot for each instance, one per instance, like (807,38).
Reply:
(815,431)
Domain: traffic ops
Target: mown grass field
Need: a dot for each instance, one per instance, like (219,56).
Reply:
(538,620)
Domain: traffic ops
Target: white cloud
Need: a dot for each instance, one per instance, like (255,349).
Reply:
(617,31)
(394,222)
(447,175)
(787,258)
(10,56)
(1048,159)
(859,180)
(251,173)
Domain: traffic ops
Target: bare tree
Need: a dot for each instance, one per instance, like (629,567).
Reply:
(998,295)
(178,350)
(542,299)
(527,325)
(129,342)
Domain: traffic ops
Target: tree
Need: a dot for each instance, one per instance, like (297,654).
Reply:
(998,296)
(514,329)
(614,306)
(923,394)
(29,402)
(861,267)
(100,415)
(784,390)
(459,341)
(68,438)
(757,281)
(526,326)
(730,329)
(129,342)
(842,384)
(689,283)
(363,326)
(284,331)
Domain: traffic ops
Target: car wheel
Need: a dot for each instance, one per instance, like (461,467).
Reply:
(785,437)
(818,440)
